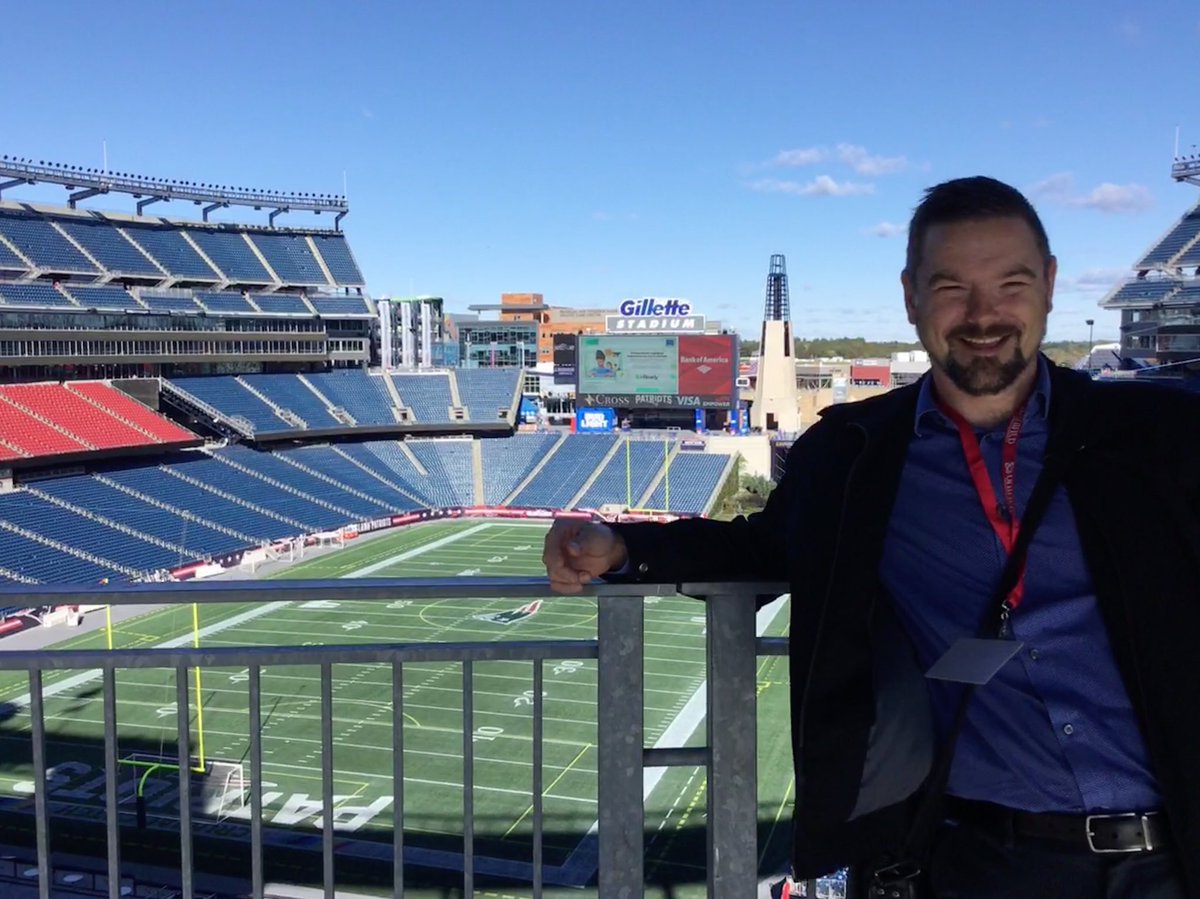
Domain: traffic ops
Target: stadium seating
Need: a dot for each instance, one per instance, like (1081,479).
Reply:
(117,403)
(170,302)
(388,461)
(336,252)
(1188,295)
(171,250)
(1190,258)
(507,462)
(34,437)
(290,257)
(693,478)
(331,463)
(289,303)
(485,391)
(47,564)
(304,510)
(10,261)
(167,486)
(1142,292)
(38,294)
(364,396)
(7,454)
(230,398)
(73,413)
(64,526)
(451,480)
(428,395)
(288,392)
(565,472)
(45,247)
(340,305)
(1185,231)
(625,478)
(106,245)
(87,492)
(223,302)
(309,487)
(231,254)
(115,298)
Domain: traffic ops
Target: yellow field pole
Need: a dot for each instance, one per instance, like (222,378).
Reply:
(667,474)
(628,477)
(108,618)
(199,695)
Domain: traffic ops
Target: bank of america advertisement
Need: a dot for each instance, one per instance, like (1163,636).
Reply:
(694,371)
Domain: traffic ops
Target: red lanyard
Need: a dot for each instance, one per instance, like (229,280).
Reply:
(1002,518)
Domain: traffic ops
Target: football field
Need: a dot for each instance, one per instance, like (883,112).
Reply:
(433,735)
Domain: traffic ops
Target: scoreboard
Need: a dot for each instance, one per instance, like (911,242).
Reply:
(695,371)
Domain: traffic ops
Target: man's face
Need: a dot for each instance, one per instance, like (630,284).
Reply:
(979,300)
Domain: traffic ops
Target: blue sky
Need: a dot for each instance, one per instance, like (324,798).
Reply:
(594,151)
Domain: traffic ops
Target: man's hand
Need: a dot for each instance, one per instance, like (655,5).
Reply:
(575,552)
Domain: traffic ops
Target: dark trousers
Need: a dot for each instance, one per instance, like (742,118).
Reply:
(972,864)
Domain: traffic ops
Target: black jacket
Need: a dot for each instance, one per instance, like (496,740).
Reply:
(861,729)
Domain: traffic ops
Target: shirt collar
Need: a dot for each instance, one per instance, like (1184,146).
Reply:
(1039,401)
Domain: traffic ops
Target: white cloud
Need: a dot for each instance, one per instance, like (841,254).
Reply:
(802,156)
(865,163)
(1093,280)
(1106,197)
(886,229)
(1116,198)
(821,186)
(368,113)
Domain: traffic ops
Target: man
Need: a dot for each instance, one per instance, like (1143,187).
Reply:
(1076,770)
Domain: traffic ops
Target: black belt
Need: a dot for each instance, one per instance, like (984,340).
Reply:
(1128,832)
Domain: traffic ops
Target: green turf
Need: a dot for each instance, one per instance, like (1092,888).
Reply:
(433,801)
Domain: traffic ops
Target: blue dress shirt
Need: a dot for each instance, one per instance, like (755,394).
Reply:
(1054,730)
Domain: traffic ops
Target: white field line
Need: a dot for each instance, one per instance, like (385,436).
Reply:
(83,677)
(676,733)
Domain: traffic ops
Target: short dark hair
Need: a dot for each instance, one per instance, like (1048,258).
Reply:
(970,199)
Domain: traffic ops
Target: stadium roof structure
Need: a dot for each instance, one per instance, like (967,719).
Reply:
(90,182)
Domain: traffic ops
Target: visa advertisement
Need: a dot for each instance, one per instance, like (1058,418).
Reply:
(684,371)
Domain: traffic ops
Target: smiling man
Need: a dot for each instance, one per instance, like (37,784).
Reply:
(997,637)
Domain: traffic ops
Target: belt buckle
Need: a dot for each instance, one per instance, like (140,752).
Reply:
(1147,843)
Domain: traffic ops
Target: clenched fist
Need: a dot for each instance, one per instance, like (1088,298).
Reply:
(575,552)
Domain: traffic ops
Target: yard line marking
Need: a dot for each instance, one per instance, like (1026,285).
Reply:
(418,551)
(553,784)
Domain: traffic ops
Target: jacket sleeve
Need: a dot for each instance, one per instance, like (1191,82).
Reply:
(753,547)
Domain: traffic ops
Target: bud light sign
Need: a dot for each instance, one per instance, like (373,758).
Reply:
(595,421)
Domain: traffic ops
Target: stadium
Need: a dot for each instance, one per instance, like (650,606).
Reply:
(272,560)
(191,410)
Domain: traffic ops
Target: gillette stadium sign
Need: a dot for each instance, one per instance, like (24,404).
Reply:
(662,316)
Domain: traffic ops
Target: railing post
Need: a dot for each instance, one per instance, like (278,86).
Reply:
(619,745)
(732,740)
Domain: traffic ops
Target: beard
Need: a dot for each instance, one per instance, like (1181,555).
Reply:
(984,375)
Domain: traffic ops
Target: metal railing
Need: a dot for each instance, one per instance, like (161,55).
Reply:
(728,756)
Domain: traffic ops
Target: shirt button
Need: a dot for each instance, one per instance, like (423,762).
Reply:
(1068,729)
(643,568)
(1034,654)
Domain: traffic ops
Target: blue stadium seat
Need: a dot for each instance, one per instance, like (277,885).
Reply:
(624,483)
(230,253)
(386,459)
(336,252)
(229,397)
(33,295)
(331,462)
(427,394)
(451,480)
(290,257)
(340,305)
(106,245)
(103,297)
(288,392)
(565,472)
(47,564)
(44,246)
(108,502)
(693,478)
(171,250)
(1141,292)
(364,396)
(1185,231)
(281,302)
(170,303)
(485,391)
(507,462)
(163,486)
(10,261)
(223,302)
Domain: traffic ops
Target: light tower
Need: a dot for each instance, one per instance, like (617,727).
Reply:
(775,402)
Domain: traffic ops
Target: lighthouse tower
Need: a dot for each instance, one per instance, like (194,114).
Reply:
(775,403)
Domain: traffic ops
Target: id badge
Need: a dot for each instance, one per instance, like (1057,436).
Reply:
(974,660)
